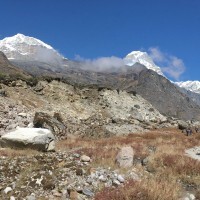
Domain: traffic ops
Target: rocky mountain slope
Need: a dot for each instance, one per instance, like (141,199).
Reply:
(140,75)
(84,111)
(7,69)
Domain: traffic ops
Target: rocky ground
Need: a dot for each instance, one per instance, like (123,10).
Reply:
(81,169)
(85,112)
(82,165)
(58,175)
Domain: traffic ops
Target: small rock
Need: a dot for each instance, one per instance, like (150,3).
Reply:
(120,178)
(76,155)
(102,178)
(12,198)
(31,197)
(13,184)
(108,184)
(22,115)
(85,158)
(116,182)
(79,189)
(7,190)
(189,196)
(145,161)
(88,192)
(89,180)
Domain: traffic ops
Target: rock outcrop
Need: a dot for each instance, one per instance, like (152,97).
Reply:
(55,124)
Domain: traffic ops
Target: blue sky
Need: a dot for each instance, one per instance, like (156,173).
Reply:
(104,28)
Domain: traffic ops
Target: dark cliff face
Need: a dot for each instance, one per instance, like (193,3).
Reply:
(165,96)
(192,95)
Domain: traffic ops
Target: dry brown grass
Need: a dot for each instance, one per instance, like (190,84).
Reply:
(170,169)
(151,189)
(7,152)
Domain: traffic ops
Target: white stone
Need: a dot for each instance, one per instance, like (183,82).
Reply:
(22,115)
(120,178)
(116,182)
(85,158)
(39,181)
(7,190)
(102,178)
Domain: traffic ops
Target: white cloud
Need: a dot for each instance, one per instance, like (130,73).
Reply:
(169,64)
(101,64)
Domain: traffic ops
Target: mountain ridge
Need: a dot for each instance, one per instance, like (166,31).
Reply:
(135,77)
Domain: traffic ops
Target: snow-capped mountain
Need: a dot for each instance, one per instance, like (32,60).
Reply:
(142,58)
(193,86)
(23,48)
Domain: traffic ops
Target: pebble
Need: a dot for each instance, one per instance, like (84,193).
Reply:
(88,192)
(31,197)
(102,178)
(116,182)
(13,184)
(7,190)
(120,178)
(22,114)
(85,158)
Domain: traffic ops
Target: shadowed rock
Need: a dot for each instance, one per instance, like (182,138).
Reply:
(55,124)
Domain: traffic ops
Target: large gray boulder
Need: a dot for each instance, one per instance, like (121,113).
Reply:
(182,124)
(125,157)
(33,138)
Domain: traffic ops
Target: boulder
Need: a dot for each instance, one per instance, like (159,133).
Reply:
(182,124)
(125,157)
(34,138)
(55,123)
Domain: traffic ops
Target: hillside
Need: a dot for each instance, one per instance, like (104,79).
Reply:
(7,69)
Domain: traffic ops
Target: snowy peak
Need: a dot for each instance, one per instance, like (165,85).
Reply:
(24,48)
(22,39)
(142,58)
(193,86)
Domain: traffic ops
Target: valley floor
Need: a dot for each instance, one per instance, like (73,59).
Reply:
(87,169)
